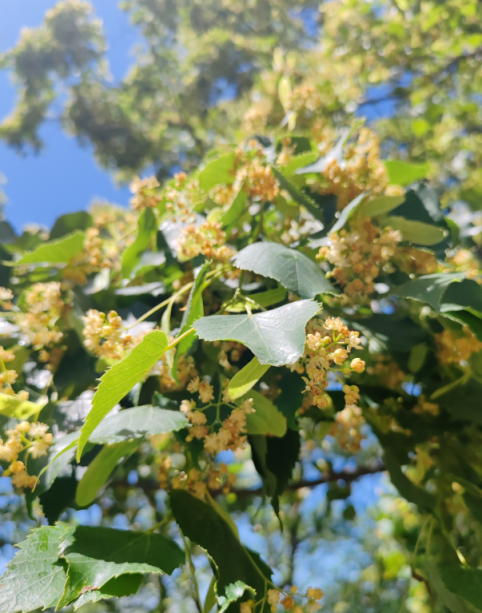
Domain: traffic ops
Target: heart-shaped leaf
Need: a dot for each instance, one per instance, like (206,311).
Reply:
(276,337)
(291,268)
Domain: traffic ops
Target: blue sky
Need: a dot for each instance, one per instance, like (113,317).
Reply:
(64,177)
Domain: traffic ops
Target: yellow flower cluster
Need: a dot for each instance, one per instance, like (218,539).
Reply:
(209,239)
(455,348)
(347,428)
(180,196)
(466,261)
(305,97)
(145,195)
(290,600)
(361,171)
(25,437)
(104,335)
(232,434)
(44,308)
(329,344)
(6,297)
(92,259)
(359,255)
(389,373)
(8,377)
(261,183)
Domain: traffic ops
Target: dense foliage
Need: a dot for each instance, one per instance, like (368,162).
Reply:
(294,312)
(254,307)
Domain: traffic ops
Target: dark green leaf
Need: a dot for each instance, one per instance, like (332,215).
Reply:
(98,555)
(276,337)
(428,288)
(298,196)
(204,526)
(291,268)
(465,582)
(459,296)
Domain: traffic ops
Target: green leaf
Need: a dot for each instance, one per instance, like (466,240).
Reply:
(210,599)
(416,231)
(463,401)
(466,318)
(60,455)
(220,170)
(138,422)
(235,210)
(100,469)
(263,299)
(13,406)
(428,288)
(276,337)
(34,579)
(465,582)
(417,357)
(298,196)
(291,397)
(380,205)
(290,267)
(146,229)
(120,379)
(348,212)
(246,378)
(204,526)
(98,555)
(194,310)
(421,204)
(234,591)
(336,154)
(467,294)
(298,161)
(125,585)
(60,251)
(266,419)
(65,224)
(404,173)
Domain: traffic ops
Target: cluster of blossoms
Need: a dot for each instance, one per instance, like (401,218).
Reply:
(104,335)
(44,305)
(387,372)
(305,97)
(145,193)
(32,438)
(232,431)
(180,195)
(347,429)
(455,348)
(8,377)
(361,171)
(93,258)
(208,239)
(212,478)
(328,344)
(466,261)
(359,255)
(6,297)
(290,600)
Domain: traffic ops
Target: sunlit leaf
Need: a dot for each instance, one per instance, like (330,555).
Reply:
(290,267)
(246,378)
(276,337)
(120,379)
(146,228)
(60,251)
(404,173)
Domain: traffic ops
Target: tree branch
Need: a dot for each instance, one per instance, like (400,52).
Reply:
(149,485)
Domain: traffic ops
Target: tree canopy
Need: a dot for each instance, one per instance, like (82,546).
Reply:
(261,333)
